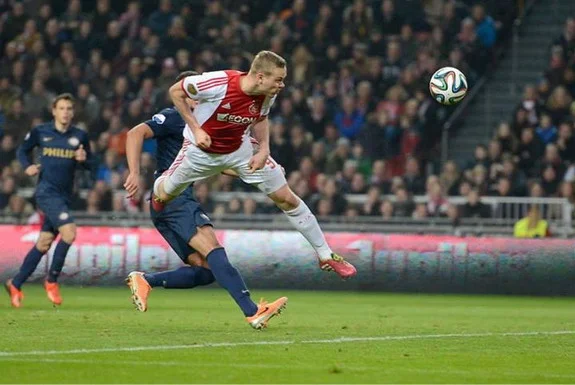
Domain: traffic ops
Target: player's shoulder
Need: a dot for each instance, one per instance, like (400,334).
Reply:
(43,126)
(167,116)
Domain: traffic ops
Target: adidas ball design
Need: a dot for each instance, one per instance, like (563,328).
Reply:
(448,86)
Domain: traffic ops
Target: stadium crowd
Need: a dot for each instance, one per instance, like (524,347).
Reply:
(356,117)
(533,154)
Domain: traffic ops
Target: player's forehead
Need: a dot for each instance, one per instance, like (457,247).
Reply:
(64,103)
(278,72)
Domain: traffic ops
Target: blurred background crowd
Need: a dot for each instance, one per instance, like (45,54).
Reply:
(355,118)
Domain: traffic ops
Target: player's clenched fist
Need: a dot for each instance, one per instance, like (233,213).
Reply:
(203,140)
(80,154)
(32,170)
(258,161)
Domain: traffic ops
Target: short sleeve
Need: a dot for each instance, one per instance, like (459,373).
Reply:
(166,122)
(205,86)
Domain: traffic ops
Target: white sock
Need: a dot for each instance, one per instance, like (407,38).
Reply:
(303,220)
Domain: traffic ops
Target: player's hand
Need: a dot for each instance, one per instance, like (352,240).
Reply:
(132,184)
(80,154)
(32,170)
(258,161)
(203,140)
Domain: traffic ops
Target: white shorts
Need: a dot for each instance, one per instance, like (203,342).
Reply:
(193,164)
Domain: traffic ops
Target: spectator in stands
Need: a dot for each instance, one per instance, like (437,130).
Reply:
(386,209)
(420,211)
(530,104)
(546,131)
(372,202)
(119,67)
(484,26)
(567,39)
(506,139)
(549,181)
(450,178)
(559,104)
(349,120)
(403,206)
(479,157)
(8,190)
(413,180)
(529,151)
(474,208)
(7,151)
(17,121)
(436,202)
(379,176)
(532,226)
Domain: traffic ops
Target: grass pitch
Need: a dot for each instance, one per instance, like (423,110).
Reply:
(198,336)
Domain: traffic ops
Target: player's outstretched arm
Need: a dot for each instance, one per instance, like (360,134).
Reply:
(25,150)
(134,143)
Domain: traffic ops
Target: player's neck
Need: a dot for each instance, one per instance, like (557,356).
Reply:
(248,85)
(61,127)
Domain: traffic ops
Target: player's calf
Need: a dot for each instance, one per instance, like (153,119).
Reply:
(303,220)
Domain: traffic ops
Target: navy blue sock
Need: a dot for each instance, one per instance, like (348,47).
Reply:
(58,261)
(28,266)
(186,277)
(231,280)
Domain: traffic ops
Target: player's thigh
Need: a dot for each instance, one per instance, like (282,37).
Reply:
(56,213)
(177,243)
(191,164)
(181,223)
(268,180)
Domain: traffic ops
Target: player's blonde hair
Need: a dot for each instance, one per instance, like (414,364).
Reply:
(266,62)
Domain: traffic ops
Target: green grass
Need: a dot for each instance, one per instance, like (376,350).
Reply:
(95,318)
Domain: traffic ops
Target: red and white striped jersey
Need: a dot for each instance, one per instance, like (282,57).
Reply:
(224,111)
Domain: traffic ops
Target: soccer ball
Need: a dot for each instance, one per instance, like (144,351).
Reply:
(448,86)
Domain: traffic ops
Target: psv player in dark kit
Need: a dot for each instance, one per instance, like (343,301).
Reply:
(62,147)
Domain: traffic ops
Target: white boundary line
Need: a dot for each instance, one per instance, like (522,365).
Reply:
(286,342)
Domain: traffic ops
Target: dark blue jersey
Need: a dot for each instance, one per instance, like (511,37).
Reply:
(57,157)
(168,127)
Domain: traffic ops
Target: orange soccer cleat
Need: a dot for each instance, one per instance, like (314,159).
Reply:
(343,268)
(140,289)
(16,295)
(53,292)
(266,311)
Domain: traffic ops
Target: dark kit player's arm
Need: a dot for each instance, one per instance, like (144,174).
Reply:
(25,151)
(134,143)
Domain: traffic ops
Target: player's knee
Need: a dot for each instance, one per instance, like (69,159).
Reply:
(205,241)
(195,259)
(285,199)
(69,236)
(43,245)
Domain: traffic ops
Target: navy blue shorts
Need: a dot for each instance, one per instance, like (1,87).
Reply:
(56,213)
(178,222)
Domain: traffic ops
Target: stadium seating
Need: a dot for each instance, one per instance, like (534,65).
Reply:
(356,117)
